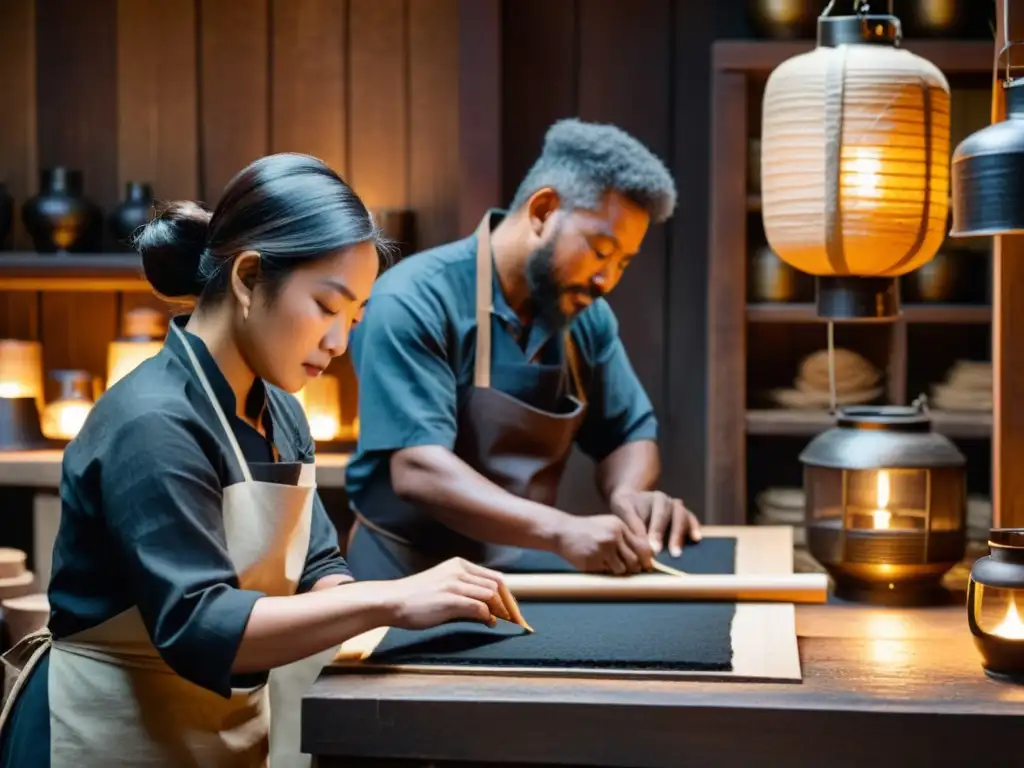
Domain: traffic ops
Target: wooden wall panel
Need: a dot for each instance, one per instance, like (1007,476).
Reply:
(308,91)
(157,97)
(480,44)
(379,102)
(76,69)
(234,93)
(537,89)
(624,78)
(687,265)
(434,120)
(18,171)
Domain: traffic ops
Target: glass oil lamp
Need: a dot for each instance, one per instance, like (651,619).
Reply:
(995,598)
(64,417)
(886,503)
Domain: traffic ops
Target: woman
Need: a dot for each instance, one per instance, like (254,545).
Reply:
(197,585)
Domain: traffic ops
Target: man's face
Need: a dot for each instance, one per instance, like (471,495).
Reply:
(583,257)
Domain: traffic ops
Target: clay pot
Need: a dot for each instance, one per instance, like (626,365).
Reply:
(60,219)
(131,213)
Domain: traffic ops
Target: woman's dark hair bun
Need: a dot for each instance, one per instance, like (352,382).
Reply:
(172,245)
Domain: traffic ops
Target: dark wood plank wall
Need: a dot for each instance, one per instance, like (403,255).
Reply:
(643,65)
(183,93)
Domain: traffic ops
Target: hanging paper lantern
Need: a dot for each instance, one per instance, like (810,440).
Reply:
(855,163)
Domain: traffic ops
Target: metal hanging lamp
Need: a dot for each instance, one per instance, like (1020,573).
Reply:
(988,166)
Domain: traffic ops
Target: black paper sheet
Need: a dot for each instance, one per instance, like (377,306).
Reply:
(613,635)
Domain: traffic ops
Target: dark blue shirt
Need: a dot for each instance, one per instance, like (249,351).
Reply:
(413,354)
(141,524)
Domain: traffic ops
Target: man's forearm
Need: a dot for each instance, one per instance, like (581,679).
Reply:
(464,500)
(633,466)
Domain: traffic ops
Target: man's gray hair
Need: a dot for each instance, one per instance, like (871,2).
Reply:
(582,161)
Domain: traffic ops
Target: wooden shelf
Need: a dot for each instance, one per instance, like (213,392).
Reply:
(72,272)
(793,423)
(759,57)
(41,469)
(758,345)
(936,314)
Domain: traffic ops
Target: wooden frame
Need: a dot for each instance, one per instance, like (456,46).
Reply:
(763,635)
(737,67)
(1007,355)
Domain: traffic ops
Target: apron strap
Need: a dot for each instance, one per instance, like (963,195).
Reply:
(37,644)
(484,308)
(484,304)
(572,357)
(243,465)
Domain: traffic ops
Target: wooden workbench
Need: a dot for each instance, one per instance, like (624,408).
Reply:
(882,687)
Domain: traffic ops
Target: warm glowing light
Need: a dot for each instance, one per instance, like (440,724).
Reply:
(882,517)
(21,369)
(862,174)
(123,356)
(62,420)
(1011,627)
(12,389)
(321,400)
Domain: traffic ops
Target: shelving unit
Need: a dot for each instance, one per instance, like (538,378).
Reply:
(753,347)
(78,272)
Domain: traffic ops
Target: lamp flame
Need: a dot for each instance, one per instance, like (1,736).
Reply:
(1011,627)
(882,517)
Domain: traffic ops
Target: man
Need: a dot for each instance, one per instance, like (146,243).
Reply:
(482,361)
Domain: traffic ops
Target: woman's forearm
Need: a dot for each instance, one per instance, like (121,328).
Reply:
(285,629)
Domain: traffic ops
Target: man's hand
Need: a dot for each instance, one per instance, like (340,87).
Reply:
(603,544)
(651,514)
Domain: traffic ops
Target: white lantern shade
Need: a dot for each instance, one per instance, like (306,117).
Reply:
(855,161)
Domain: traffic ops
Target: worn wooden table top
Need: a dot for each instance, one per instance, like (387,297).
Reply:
(882,686)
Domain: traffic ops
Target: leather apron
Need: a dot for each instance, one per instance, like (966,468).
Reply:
(518,447)
(115,702)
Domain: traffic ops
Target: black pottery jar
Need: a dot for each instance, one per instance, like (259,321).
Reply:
(60,219)
(131,213)
(6,217)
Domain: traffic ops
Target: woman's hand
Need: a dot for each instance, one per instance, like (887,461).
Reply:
(454,590)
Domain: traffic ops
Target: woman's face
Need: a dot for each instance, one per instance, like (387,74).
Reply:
(294,338)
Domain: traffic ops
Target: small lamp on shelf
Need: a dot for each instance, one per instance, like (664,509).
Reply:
(21,369)
(855,163)
(886,504)
(64,417)
(321,400)
(21,395)
(141,339)
(995,595)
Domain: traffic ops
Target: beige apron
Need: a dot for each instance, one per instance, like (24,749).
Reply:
(115,702)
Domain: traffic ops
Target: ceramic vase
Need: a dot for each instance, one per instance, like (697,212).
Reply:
(131,213)
(60,219)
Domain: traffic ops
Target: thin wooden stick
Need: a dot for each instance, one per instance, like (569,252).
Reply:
(667,569)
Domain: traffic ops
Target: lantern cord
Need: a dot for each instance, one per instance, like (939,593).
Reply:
(832,367)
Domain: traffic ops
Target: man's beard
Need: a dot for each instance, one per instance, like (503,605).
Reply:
(545,292)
